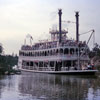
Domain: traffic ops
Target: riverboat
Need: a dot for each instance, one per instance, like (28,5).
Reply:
(59,55)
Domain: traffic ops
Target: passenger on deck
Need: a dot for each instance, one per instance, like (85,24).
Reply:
(83,67)
(93,66)
(89,66)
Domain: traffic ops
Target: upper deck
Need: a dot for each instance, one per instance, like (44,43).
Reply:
(53,44)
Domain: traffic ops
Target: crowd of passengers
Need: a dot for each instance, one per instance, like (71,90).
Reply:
(89,66)
(52,45)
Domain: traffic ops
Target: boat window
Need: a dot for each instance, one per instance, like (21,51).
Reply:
(39,53)
(61,50)
(57,51)
(45,64)
(51,63)
(72,51)
(45,53)
(26,54)
(27,63)
(31,63)
(36,64)
(42,53)
(29,54)
(66,51)
(48,53)
(67,63)
(64,63)
(51,52)
(23,63)
(40,64)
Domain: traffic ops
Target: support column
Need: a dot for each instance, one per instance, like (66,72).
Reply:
(43,66)
(48,65)
(33,65)
(54,65)
(62,65)
(29,65)
(38,65)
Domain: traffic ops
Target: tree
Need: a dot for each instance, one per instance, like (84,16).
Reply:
(95,51)
(1,49)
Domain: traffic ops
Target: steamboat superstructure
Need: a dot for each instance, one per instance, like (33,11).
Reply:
(58,55)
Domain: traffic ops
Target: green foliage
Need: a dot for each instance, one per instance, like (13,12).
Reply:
(95,51)
(1,48)
(7,62)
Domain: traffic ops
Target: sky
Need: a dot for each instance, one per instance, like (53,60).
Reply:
(35,17)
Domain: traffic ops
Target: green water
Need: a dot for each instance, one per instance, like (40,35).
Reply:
(35,86)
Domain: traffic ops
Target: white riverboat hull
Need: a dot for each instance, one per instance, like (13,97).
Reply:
(70,72)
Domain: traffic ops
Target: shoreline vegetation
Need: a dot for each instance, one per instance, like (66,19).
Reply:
(94,56)
(7,62)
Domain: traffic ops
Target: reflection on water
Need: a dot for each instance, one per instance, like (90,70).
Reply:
(35,86)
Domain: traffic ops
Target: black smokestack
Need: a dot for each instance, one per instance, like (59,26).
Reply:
(60,35)
(77,26)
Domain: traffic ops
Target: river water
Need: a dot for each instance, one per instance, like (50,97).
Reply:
(35,86)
